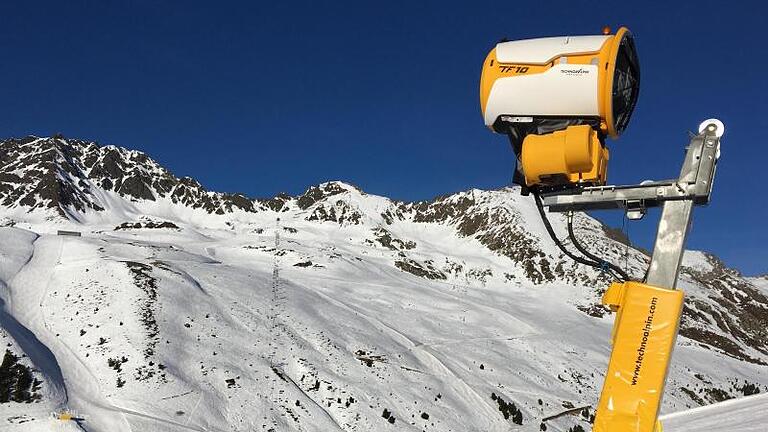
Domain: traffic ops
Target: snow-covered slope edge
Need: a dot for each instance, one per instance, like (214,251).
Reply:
(745,414)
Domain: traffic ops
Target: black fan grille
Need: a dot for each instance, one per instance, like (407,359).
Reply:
(626,84)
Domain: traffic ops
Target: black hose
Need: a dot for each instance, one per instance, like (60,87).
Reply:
(548,226)
(591,256)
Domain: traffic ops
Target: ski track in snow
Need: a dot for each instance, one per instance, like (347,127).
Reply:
(431,360)
(81,385)
(25,335)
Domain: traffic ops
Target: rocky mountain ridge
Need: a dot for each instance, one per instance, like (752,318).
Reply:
(66,175)
(71,176)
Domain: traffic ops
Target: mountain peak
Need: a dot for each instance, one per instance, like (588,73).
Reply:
(322,191)
(340,184)
(73,177)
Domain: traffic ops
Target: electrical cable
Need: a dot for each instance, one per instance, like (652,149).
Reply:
(593,260)
(603,263)
(595,264)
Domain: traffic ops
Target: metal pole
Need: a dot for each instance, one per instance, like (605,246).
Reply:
(697,170)
(670,243)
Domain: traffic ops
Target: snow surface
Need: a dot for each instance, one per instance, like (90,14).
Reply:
(761,282)
(747,414)
(242,321)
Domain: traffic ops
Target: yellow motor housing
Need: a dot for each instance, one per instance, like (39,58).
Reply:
(573,155)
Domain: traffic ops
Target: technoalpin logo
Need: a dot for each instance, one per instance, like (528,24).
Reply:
(579,71)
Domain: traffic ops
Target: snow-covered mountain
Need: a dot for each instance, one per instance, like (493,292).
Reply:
(179,308)
(73,176)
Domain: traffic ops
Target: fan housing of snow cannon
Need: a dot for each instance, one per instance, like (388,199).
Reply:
(585,87)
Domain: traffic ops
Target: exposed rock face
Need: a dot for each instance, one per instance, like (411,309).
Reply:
(320,192)
(497,227)
(732,304)
(66,175)
(38,174)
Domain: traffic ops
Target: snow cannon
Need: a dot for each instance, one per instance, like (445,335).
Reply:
(66,416)
(558,98)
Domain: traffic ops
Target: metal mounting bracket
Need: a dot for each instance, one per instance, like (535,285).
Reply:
(676,197)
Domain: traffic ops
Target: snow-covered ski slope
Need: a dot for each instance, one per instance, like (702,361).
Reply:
(747,414)
(333,310)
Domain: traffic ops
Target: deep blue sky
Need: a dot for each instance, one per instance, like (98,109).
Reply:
(261,98)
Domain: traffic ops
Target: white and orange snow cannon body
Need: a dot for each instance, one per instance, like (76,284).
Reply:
(558,99)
